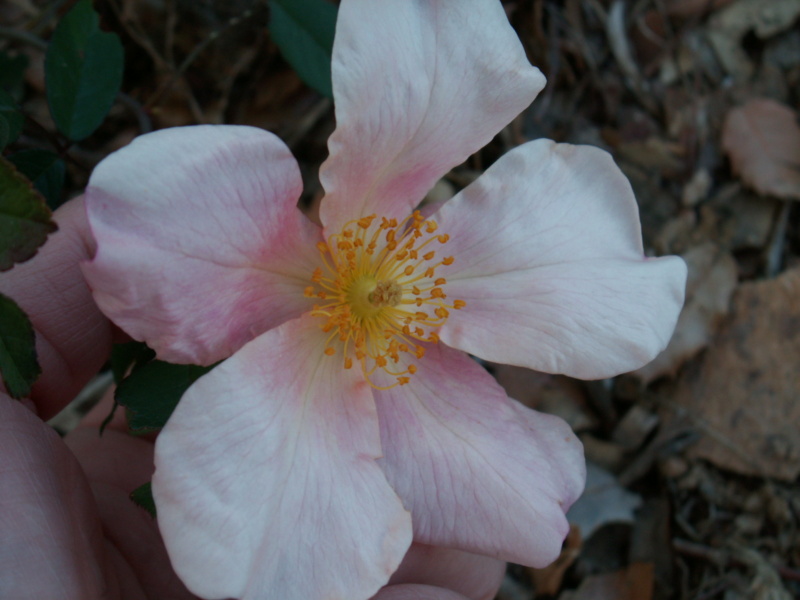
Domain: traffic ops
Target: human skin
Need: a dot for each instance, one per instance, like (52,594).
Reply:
(67,526)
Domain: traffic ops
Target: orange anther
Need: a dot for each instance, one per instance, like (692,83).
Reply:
(420,351)
(380,360)
(457,304)
(348,233)
(348,363)
(412,369)
(365,222)
(421,316)
(433,338)
(431,226)
(330,351)
(403,380)
(437,293)
(308,292)
(429,255)
(448,260)
(415,290)
(322,247)
(443,238)
(408,270)
(440,281)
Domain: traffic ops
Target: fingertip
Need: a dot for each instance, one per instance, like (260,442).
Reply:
(73,339)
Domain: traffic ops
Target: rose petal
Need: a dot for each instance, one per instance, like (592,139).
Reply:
(266,483)
(418,87)
(548,257)
(478,471)
(200,244)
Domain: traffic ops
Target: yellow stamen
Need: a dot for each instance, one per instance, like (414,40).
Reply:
(374,279)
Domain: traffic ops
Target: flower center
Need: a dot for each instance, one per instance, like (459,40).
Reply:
(380,293)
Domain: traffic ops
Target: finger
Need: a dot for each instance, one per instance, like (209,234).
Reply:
(73,338)
(51,540)
(471,575)
(411,591)
(115,465)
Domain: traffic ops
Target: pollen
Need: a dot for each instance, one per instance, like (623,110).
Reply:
(382,296)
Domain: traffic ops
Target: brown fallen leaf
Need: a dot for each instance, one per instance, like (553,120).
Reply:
(633,583)
(743,395)
(604,501)
(762,140)
(554,394)
(712,279)
(547,581)
(728,27)
(693,8)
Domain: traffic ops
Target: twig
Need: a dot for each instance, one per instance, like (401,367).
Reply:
(311,118)
(190,58)
(777,241)
(718,436)
(42,20)
(142,118)
(26,37)
(620,48)
(62,149)
(723,558)
(139,37)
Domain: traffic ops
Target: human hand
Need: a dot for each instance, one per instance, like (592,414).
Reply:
(68,529)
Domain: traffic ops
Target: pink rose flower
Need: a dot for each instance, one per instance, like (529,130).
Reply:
(348,417)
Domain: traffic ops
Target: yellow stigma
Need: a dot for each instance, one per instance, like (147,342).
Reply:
(381,295)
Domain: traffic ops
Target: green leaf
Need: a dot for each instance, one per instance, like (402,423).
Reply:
(303,30)
(24,218)
(4,132)
(83,72)
(123,356)
(143,497)
(151,392)
(46,170)
(18,363)
(12,73)
(8,110)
